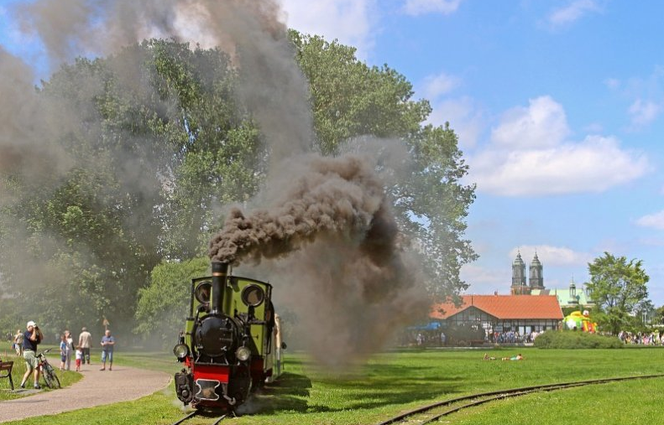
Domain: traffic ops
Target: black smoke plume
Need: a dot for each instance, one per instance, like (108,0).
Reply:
(342,261)
(339,197)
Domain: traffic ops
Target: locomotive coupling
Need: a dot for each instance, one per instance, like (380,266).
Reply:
(184,385)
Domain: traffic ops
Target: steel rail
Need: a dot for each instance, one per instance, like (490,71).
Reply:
(501,394)
(189,416)
(219,420)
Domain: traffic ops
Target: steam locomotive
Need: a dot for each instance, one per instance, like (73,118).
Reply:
(231,343)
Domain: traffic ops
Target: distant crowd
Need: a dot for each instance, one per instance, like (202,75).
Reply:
(639,338)
(512,337)
(439,338)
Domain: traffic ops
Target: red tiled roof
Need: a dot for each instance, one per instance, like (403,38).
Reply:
(504,307)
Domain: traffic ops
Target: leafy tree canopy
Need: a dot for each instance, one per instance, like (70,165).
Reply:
(162,304)
(155,141)
(351,99)
(158,141)
(618,287)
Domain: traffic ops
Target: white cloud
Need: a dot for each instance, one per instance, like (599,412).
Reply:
(612,83)
(529,156)
(437,85)
(594,128)
(552,255)
(572,12)
(652,241)
(560,265)
(542,124)
(464,117)
(420,7)
(352,22)
(655,220)
(462,113)
(644,112)
(486,281)
(593,165)
(645,94)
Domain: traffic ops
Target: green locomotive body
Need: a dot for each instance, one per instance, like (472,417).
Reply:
(231,343)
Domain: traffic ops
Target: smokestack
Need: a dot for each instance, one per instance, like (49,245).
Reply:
(219,274)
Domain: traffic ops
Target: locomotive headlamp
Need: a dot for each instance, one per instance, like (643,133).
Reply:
(181,351)
(243,354)
(253,295)
(202,292)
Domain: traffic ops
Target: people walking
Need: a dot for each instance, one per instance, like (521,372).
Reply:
(63,352)
(85,341)
(69,349)
(107,345)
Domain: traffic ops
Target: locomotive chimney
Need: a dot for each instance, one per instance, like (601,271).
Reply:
(219,274)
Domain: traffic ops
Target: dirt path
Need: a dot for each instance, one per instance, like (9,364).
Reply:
(95,389)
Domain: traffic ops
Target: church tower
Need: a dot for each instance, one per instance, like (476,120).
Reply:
(536,274)
(519,286)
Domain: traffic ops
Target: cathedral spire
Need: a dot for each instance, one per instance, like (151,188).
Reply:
(536,269)
(519,276)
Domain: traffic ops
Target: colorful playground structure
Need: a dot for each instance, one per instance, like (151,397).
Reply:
(580,321)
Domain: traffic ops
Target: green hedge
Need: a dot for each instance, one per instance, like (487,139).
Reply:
(575,339)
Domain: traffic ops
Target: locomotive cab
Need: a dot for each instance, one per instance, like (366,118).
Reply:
(229,345)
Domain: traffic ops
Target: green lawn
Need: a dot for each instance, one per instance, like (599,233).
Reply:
(18,370)
(393,382)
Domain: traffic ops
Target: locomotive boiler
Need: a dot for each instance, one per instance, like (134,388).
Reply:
(231,343)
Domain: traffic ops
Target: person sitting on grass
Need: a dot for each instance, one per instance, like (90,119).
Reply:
(517,357)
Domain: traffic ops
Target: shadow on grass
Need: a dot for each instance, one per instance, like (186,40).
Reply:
(289,393)
(378,386)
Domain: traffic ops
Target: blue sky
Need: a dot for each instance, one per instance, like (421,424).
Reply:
(559,108)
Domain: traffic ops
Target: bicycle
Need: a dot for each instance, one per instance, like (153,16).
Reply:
(51,379)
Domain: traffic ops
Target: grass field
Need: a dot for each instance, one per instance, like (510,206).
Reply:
(397,381)
(66,378)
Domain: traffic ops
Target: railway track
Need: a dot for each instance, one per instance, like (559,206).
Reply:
(196,413)
(430,413)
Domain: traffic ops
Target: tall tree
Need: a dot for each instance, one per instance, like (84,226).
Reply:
(618,288)
(162,305)
(156,141)
(351,99)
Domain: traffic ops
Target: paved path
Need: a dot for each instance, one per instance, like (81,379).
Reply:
(95,389)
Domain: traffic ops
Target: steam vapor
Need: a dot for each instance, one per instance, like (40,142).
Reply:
(340,261)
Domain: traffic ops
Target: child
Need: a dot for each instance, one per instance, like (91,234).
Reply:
(79,356)
(18,342)
(63,352)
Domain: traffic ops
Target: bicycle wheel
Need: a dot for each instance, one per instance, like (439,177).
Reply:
(55,381)
(47,377)
(52,380)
